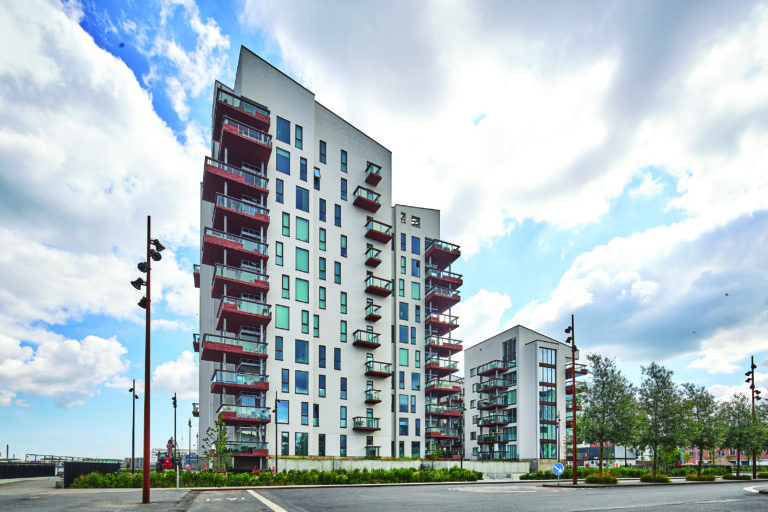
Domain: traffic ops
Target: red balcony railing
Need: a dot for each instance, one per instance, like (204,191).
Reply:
(239,109)
(237,382)
(215,242)
(237,281)
(378,231)
(243,414)
(366,339)
(243,144)
(367,199)
(441,254)
(239,181)
(240,312)
(213,348)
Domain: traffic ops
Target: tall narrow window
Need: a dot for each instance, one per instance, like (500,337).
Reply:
(303,169)
(316,326)
(337,214)
(343,416)
(403,261)
(337,272)
(283,130)
(302,199)
(316,416)
(321,445)
(344,303)
(305,321)
(279,190)
(321,356)
(343,161)
(322,239)
(321,297)
(322,210)
(343,189)
(415,268)
(278,348)
(402,241)
(304,419)
(285,380)
(415,245)
(282,317)
(286,287)
(317,179)
(342,446)
(321,386)
(299,137)
(322,151)
(286,224)
(343,244)
(321,268)
(343,388)
(283,161)
(337,359)
(279,253)
(416,291)
(343,330)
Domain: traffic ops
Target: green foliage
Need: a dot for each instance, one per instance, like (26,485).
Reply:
(763,474)
(742,431)
(703,478)
(649,478)
(604,479)
(215,441)
(705,429)
(731,476)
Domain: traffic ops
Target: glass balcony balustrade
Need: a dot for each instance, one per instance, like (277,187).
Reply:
(231,203)
(248,245)
(377,282)
(441,431)
(373,254)
(493,383)
(372,170)
(495,419)
(495,365)
(249,177)
(372,395)
(495,437)
(246,412)
(373,451)
(366,423)
(442,291)
(444,319)
(442,274)
(245,306)
(250,347)
(237,378)
(237,274)
(368,194)
(245,447)
(443,363)
(378,367)
(374,225)
(438,341)
(250,133)
(439,244)
(442,409)
(372,310)
(366,336)
(241,104)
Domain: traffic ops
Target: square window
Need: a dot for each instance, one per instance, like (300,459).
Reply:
(321,297)
(416,291)
(286,224)
(322,210)
(305,321)
(278,348)
(343,161)
(322,151)
(337,215)
(321,386)
(283,161)
(302,351)
(279,190)
(279,253)
(302,260)
(282,317)
(343,302)
(299,136)
(302,290)
(321,268)
(302,199)
(283,130)
(415,221)
(403,357)
(302,229)
(337,272)
(302,382)
(343,244)
(321,357)
(286,287)
(322,239)
(303,169)
(343,189)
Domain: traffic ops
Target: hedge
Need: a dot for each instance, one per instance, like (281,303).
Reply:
(597,479)
(702,478)
(734,476)
(762,475)
(657,479)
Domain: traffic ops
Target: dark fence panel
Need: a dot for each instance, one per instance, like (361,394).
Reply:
(74,469)
(18,470)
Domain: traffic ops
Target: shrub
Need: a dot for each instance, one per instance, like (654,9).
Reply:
(597,479)
(702,478)
(657,479)
(763,474)
(734,476)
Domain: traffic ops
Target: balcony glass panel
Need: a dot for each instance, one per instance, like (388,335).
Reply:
(247,306)
(376,366)
(433,272)
(196,269)
(247,346)
(237,274)
(496,365)
(372,252)
(368,194)
(495,418)
(242,104)
(446,319)
(244,411)
(250,133)
(443,363)
(443,384)
(436,340)
(378,282)
(493,383)
(372,394)
(372,451)
(443,431)
(370,337)
(244,379)
(247,175)
(495,437)
(445,292)
(372,309)
(441,245)
(372,169)
(248,245)
(195,407)
(244,446)
(360,422)
(240,206)
(379,226)
(440,409)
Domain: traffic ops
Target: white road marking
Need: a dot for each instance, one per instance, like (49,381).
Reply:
(754,488)
(274,506)
(506,489)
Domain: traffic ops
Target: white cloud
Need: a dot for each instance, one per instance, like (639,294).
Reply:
(648,187)
(179,376)
(480,316)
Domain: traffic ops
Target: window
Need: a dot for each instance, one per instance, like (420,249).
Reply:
(299,136)
(415,245)
(302,199)
(304,419)
(342,446)
(305,321)
(343,331)
(283,161)
(403,406)
(303,169)
(417,359)
(282,317)
(278,348)
(321,356)
(403,431)
(402,241)
(286,224)
(322,210)
(415,381)
(321,297)
(403,357)
(401,287)
(316,415)
(279,253)
(415,268)
(322,151)
(415,221)
(403,311)
(286,287)
(402,217)
(302,229)
(283,130)
(302,290)
(285,381)
(547,355)
(403,333)
(403,261)
(322,239)
(321,268)
(337,215)
(337,359)
(302,351)
(343,244)
(317,179)
(282,411)
(416,291)
(316,326)
(343,416)
(418,427)
(413,403)
(302,260)
(413,335)
(302,382)
(284,443)
(343,388)
(302,442)
(343,189)
(279,190)
(321,384)
(401,451)
(344,303)
(417,314)
(337,272)
(343,161)
(401,380)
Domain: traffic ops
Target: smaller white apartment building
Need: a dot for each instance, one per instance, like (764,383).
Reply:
(516,396)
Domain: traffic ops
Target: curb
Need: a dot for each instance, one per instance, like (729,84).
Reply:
(650,484)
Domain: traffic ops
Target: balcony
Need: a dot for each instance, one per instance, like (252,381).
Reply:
(372,174)
(239,214)
(246,449)
(196,275)
(196,410)
(492,385)
(240,312)
(378,369)
(495,419)
(442,387)
(243,143)
(581,370)
(439,299)
(238,248)
(495,367)
(365,339)
(367,199)
(239,181)
(237,281)
(580,387)
(442,410)
(378,286)
(441,367)
(442,346)
(441,254)
(441,433)
(444,278)
(239,109)
(196,342)
(440,324)
(214,347)
(243,414)
(372,312)
(365,424)
(236,382)
(372,257)
(493,402)
(372,396)
(494,456)
(493,438)
(373,452)
(378,231)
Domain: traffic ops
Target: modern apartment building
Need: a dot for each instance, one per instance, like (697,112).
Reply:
(516,391)
(324,312)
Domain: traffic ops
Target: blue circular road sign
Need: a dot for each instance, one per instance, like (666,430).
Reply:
(558,469)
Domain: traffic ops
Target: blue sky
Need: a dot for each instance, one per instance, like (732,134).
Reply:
(597,158)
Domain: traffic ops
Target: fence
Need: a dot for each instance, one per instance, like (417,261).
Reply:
(20,470)
(74,469)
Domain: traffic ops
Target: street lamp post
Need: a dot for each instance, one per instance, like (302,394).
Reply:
(189,453)
(277,450)
(146,302)
(755,396)
(572,340)
(134,397)
(557,435)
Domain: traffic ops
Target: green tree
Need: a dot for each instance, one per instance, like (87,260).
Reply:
(741,432)
(215,442)
(609,407)
(703,423)
(662,412)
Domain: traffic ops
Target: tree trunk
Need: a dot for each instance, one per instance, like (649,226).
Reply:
(738,460)
(700,462)
(655,456)
(600,460)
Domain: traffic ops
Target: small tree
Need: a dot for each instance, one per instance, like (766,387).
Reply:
(215,441)
(662,412)
(704,426)
(741,432)
(610,410)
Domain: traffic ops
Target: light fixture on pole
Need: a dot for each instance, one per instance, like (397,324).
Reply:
(572,340)
(133,426)
(755,397)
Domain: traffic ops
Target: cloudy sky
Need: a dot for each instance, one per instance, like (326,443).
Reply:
(606,159)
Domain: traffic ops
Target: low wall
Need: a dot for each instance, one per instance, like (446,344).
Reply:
(21,470)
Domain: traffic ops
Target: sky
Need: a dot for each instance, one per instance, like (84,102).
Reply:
(601,159)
